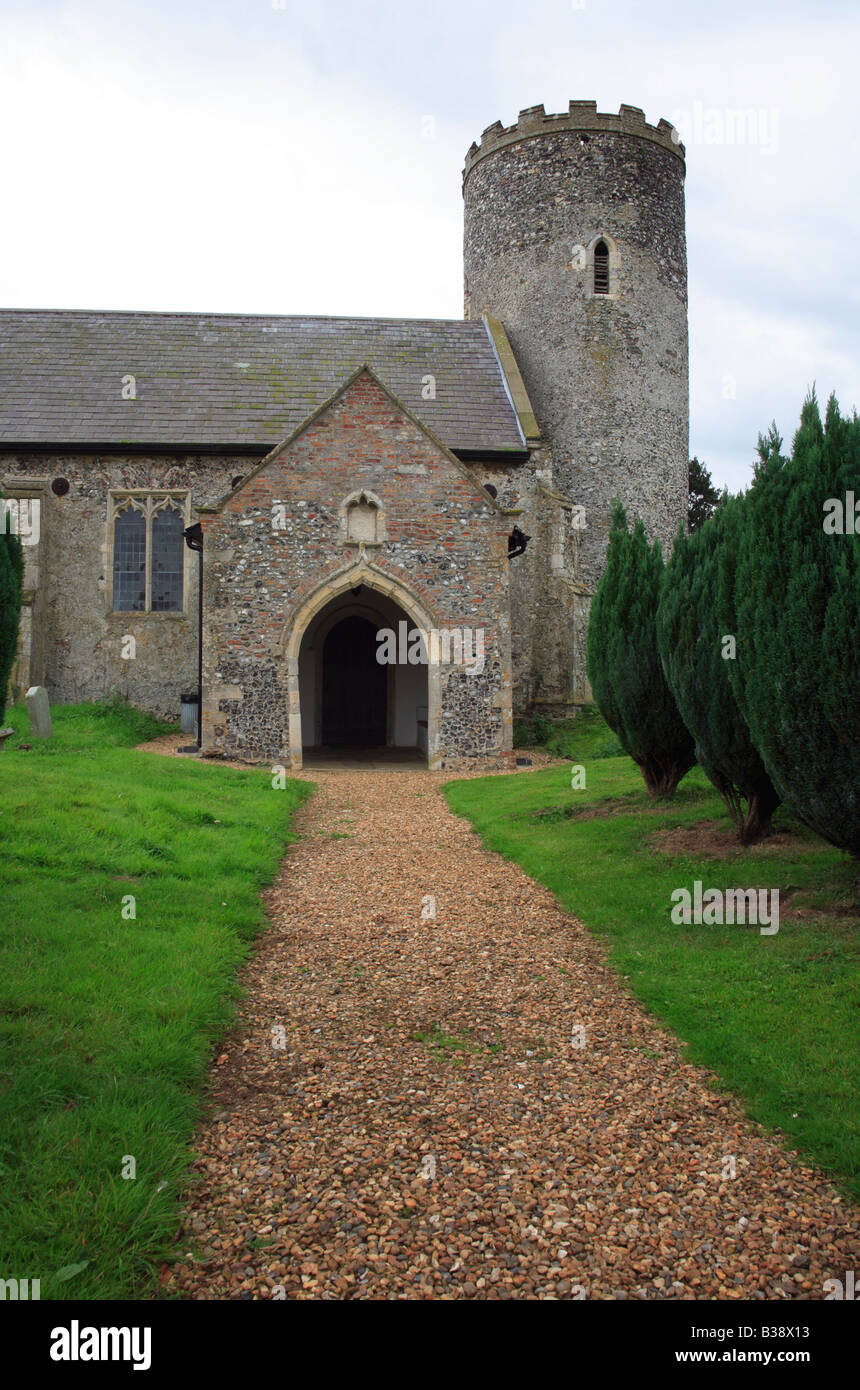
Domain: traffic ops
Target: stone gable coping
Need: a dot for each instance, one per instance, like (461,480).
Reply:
(519,396)
(290,439)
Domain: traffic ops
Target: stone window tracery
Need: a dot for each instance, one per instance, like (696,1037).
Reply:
(148,551)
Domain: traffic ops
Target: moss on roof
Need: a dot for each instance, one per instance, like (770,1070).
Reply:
(61,376)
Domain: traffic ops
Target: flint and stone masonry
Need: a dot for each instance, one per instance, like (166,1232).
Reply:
(279,550)
(350,474)
(606,373)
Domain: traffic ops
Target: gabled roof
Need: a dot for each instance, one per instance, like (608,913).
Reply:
(486,498)
(222,381)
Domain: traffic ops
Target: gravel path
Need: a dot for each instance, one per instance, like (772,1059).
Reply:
(432,1126)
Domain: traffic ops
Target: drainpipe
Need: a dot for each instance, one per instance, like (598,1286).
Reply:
(194,540)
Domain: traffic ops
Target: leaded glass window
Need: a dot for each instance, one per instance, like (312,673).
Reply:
(168,548)
(129,562)
(148,551)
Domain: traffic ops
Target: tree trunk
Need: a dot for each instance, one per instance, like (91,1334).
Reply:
(756,824)
(662,778)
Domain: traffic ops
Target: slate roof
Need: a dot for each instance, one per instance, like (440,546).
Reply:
(222,380)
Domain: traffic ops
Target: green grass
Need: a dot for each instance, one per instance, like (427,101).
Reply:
(107,1022)
(776,1017)
(586,735)
(444,1045)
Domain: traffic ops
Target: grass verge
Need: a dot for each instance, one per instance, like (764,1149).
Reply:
(130,894)
(776,1017)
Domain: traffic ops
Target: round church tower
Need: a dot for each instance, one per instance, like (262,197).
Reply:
(574,239)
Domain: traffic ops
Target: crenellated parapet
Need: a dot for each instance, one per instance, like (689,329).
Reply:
(582,118)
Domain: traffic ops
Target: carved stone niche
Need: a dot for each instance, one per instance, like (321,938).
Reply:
(362,519)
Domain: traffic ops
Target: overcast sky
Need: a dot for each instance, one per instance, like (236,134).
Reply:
(305,158)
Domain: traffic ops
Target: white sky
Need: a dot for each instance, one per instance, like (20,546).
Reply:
(243,157)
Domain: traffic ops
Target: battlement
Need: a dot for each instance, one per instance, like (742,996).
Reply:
(582,117)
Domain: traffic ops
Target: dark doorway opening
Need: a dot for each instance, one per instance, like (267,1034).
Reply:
(354,687)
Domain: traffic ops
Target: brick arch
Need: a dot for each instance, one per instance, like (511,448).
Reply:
(296,625)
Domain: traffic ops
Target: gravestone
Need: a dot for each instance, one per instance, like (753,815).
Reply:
(39,711)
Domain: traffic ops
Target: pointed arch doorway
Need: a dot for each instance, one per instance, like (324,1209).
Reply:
(341,697)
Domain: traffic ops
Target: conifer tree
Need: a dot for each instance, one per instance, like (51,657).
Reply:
(703,496)
(624,665)
(797,597)
(696,644)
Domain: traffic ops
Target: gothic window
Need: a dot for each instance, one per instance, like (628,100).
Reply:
(601,268)
(168,548)
(148,551)
(129,562)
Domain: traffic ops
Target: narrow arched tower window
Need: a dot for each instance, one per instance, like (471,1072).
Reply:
(601,268)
